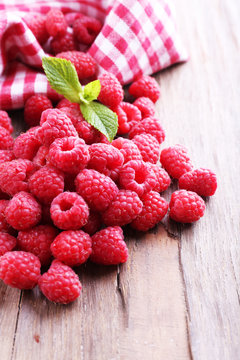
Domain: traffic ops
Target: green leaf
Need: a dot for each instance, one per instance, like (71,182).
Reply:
(63,77)
(92,90)
(101,117)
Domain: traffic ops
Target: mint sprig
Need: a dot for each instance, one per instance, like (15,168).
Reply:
(63,78)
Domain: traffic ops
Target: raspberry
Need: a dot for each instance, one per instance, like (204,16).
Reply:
(46,183)
(128,115)
(71,17)
(85,65)
(20,269)
(106,159)
(36,24)
(93,224)
(73,248)
(6,155)
(86,29)
(54,124)
(153,211)
(109,247)
(127,147)
(69,211)
(26,144)
(4,226)
(111,93)
(66,103)
(63,43)
(56,23)
(40,159)
(145,86)
(150,126)
(137,176)
(7,243)
(60,283)
(162,177)
(146,106)
(69,154)
(14,175)
(98,190)
(124,209)
(148,146)
(37,241)
(201,181)
(5,121)
(23,211)
(34,107)
(6,141)
(176,161)
(186,206)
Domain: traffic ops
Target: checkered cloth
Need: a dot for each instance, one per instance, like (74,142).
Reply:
(138,37)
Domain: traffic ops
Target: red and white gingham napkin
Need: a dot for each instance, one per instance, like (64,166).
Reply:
(138,37)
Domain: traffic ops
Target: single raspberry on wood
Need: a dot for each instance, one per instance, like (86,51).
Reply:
(127,147)
(5,121)
(63,43)
(72,247)
(146,106)
(26,144)
(145,86)
(109,247)
(37,241)
(162,177)
(148,126)
(86,28)
(154,209)
(85,65)
(6,155)
(60,283)
(93,224)
(56,23)
(124,209)
(7,242)
(20,269)
(111,93)
(6,140)
(34,107)
(186,206)
(128,116)
(97,189)
(148,146)
(176,161)
(36,24)
(201,181)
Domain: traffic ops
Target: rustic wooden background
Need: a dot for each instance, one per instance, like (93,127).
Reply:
(177,298)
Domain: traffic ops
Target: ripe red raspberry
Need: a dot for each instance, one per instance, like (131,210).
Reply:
(56,23)
(36,24)
(63,43)
(6,140)
(54,124)
(4,226)
(145,86)
(128,116)
(146,106)
(40,159)
(124,209)
(85,65)
(72,16)
(14,175)
(7,243)
(186,206)
(137,176)
(34,107)
(69,211)
(46,183)
(109,247)
(106,159)
(38,241)
(26,144)
(176,161)
(111,93)
(60,283)
(86,29)
(148,146)
(98,190)
(127,147)
(5,121)
(6,155)
(20,269)
(150,126)
(93,224)
(65,103)
(69,154)
(201,181)
(23,211)
(162,177)
(71,247)
(154,209)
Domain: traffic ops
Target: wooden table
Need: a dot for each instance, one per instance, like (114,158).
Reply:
(178,296)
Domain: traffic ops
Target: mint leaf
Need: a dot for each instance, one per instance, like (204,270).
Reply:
(63,77)
(92,90)
(101,117)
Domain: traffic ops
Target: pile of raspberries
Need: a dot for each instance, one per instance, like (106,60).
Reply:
(66,192)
